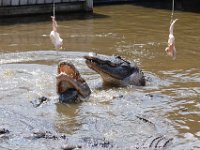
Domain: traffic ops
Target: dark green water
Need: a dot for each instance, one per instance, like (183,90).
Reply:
(170,101)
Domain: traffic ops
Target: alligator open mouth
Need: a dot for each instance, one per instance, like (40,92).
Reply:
(70,85)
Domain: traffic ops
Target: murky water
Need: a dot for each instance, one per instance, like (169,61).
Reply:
(111,118)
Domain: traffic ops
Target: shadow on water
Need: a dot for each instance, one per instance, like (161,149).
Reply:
(181,5)
(28,19)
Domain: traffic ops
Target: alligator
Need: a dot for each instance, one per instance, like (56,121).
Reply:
(71,87)
(114,70)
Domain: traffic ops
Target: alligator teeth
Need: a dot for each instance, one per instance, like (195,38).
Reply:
(62,73)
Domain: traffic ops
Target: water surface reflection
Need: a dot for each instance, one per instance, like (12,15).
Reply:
(170,101)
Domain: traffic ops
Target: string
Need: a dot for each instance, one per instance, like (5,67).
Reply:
(54,9)
(54,15)
(172,15)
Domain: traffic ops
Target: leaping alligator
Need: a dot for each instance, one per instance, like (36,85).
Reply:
(115,70)
(71,87)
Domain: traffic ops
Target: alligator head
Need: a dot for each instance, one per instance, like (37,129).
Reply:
(115,70)
(71,87)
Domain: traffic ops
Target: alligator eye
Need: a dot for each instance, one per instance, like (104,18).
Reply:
(118,57)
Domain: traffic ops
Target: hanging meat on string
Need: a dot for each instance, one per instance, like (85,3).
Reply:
(170,49)
(55,36)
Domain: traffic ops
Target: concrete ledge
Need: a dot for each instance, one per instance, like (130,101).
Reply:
(45,8)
